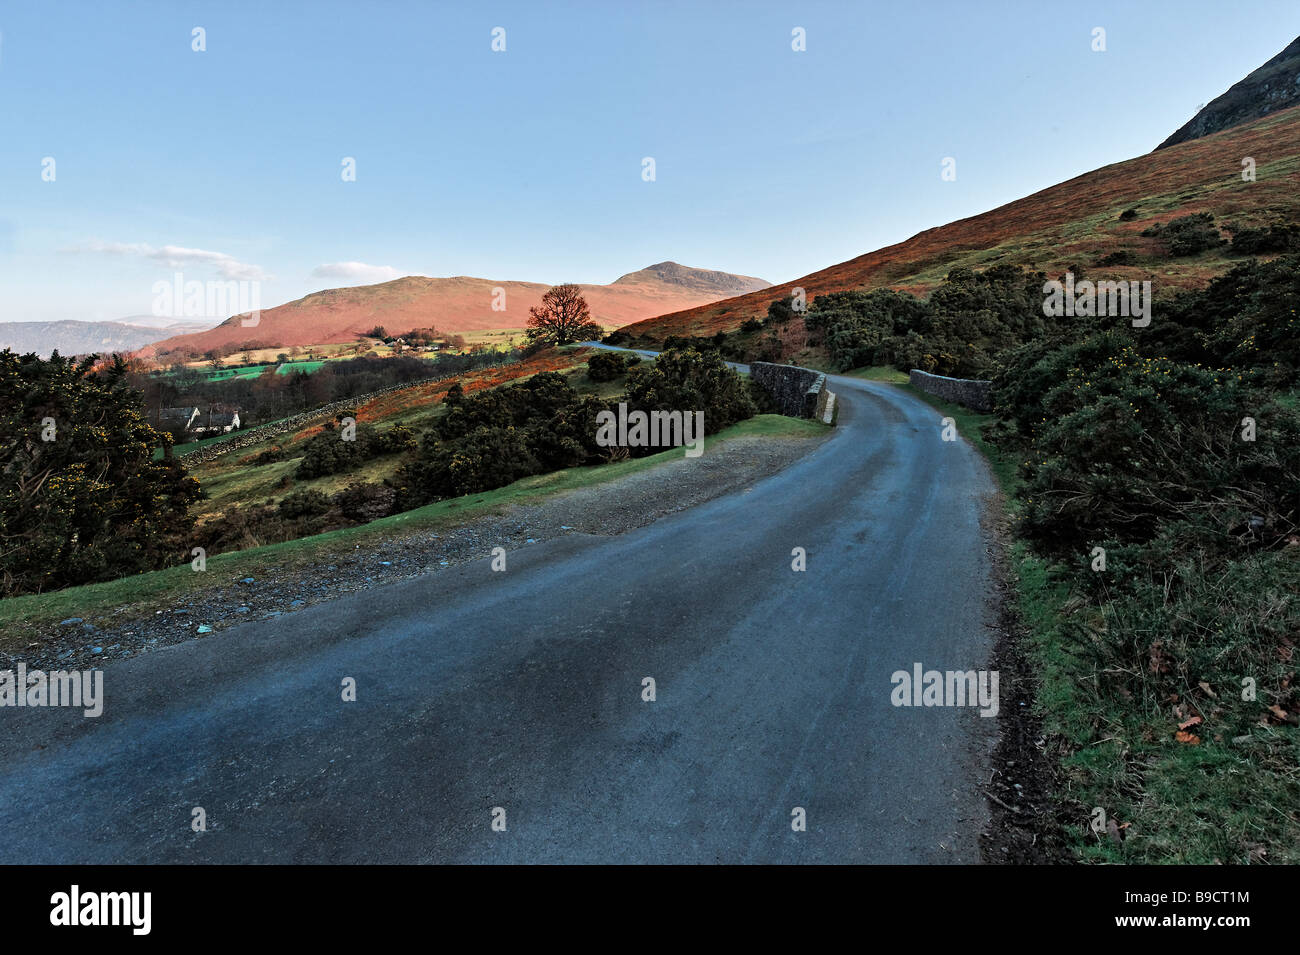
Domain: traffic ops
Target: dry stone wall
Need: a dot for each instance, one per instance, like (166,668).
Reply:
(798,392)
(969,392)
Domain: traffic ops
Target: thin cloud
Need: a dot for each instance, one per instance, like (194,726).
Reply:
(177,257)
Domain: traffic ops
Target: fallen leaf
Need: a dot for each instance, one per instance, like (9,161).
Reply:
(1190,738)
(1195,720)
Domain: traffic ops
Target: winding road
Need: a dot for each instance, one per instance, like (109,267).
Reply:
(523,690)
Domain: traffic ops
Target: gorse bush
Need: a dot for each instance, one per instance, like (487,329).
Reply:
(81,498)
(607,365)
(307,502)
(959,330)
(688,380)
(1176,450)
(1187,235)
(1245,319)
(1266,241)
(329,452)
(364,501)
(1123,443)
(491,439)
(494,438)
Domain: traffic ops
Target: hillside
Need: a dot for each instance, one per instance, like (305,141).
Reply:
(1272,87)
(83,338)
(460,304)
(1073,223)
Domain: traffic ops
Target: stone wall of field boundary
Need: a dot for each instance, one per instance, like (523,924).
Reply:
(970,392)
(798,392)
(252,436)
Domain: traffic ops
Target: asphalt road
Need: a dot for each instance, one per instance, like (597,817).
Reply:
(523,690)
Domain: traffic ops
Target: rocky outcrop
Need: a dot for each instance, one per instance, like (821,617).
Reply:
(1274,86)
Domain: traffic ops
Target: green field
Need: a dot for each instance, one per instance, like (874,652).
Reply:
(254,371)
(304,366)
(224,374)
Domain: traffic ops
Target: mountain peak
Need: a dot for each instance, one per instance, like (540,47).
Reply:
(710,281)
(1274,86)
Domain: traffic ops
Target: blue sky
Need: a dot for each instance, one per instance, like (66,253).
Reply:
(526,164)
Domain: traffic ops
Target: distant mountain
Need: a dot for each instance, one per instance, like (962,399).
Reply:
(457,305)
(703,281)
(1274,86)
(165,321)
(84,338)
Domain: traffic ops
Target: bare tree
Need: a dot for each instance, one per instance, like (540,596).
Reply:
(562,318)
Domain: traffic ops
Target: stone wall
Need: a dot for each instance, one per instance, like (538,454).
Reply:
(798,392)
(962,391)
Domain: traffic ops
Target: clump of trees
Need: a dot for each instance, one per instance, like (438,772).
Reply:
(81,497)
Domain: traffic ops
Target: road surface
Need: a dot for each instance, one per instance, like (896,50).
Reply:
(523,691)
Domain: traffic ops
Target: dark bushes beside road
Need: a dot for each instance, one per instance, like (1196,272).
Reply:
(1160,487)
(499,436)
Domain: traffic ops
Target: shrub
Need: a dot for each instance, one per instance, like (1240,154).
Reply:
(328,453)
(854,325)
(270,456)
(967,321)
(1187,235)
(81,498)
(780,311)
(691,380)
(249,525)
(496,437)
(486,458)
(363,501)
(1125,443)
(307,502)
(605,366)
(1273,239)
